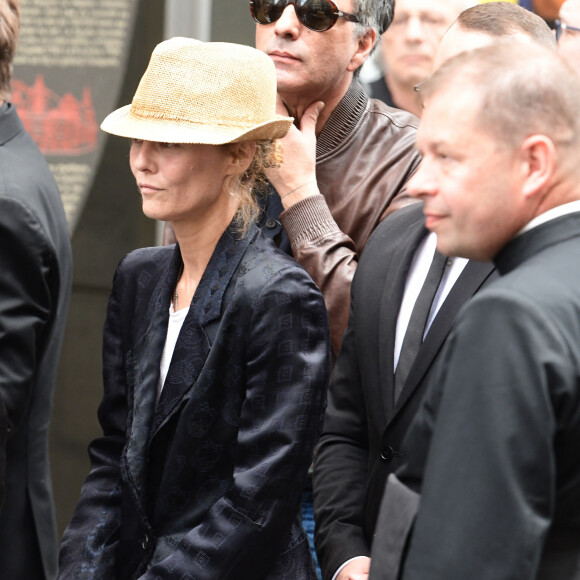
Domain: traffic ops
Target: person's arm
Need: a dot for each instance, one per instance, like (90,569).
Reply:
(26,263)
(295,182)
(89,544)
(286,370)
(340,471)
(488,490)
(330,255)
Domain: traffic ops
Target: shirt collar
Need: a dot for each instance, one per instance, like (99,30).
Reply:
(551,214)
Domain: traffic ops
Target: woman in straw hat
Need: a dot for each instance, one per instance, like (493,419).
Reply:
(215,349)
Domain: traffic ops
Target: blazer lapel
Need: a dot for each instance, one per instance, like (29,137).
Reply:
(143,360)
(469,282)
(193,345)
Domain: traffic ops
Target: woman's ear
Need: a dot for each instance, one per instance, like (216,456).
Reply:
(242,155)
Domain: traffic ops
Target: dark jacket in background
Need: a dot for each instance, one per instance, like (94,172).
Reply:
(35,281)
(494,447)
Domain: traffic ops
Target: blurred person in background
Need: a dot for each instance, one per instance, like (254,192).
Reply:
(408,49)
(568,33)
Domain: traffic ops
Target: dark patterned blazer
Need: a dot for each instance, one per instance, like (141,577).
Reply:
(206,482)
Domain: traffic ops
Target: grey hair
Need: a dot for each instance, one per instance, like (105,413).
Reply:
(374,14)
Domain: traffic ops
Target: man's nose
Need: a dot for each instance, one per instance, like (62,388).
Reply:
(288,23)
(423,182)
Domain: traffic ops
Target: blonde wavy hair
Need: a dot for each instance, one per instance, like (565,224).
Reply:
(9,27)
(249,187)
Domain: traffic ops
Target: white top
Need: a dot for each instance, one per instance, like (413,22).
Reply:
(173,328)
(415,280)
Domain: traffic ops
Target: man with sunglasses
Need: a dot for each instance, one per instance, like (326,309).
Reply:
(568,33)
(348,157)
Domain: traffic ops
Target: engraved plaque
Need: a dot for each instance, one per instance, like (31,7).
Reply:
(69,68)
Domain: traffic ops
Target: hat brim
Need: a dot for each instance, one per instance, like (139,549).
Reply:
(124,123)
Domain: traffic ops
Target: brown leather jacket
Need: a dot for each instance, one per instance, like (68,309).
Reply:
(364,156)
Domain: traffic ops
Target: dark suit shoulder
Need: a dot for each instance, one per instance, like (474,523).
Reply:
(140,271)
(265,260)
(396,225)
(396,236)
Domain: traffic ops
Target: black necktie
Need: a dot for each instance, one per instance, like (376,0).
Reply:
(416,329)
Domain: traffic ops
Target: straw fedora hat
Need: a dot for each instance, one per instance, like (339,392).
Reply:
(202,92)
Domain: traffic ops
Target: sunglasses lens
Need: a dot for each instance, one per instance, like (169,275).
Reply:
(267,11)
(316,14)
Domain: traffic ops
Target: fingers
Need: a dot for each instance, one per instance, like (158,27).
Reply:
(310,117)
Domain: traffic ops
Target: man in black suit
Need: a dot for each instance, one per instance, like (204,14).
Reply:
(493,449)
(370,408)
(36,267)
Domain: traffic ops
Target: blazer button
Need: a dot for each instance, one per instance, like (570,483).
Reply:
(145,542)
(271,223)
(387,454)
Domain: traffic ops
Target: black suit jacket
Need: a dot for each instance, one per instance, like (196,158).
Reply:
(35,281)
(494,449)
(363,431)
(205,483)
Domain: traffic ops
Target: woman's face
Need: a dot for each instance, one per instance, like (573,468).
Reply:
(183,181)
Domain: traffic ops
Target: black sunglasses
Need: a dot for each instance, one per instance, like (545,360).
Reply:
(319,15)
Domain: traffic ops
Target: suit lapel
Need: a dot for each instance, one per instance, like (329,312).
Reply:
(144,359)
(193,345)
(471,279)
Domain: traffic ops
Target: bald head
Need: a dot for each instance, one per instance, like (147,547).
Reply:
(538,95)
(484,24)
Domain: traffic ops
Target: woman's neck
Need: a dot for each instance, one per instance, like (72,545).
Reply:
(197,243)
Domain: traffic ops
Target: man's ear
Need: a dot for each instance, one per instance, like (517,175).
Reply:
(537,156)
(364,48)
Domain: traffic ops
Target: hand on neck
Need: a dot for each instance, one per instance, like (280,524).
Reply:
(296,104)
